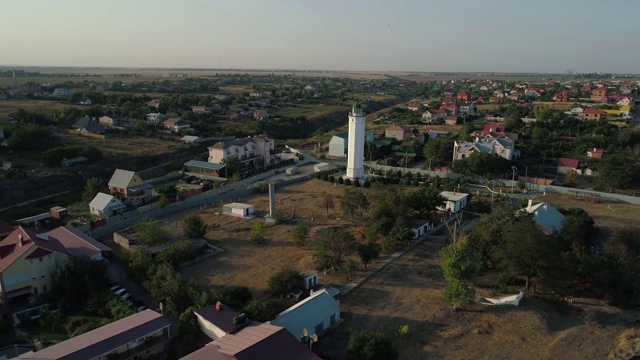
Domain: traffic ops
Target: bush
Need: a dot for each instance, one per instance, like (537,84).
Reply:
(340,180)
(257,233)
(262,187)
(402,332)
(347,181)
(284,281)
(367,345)
(366,184)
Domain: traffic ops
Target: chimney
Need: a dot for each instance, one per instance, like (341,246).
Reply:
(218,306)
(530,204)
(19,239)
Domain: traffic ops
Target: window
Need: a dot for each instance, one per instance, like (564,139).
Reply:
(40,259)
(35,290)
(44,288)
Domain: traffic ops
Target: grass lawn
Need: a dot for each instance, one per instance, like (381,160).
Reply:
(38,106)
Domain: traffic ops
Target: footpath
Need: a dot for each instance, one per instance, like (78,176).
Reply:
(345,289)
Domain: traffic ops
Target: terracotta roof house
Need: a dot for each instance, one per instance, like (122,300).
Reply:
(565,165)
(109,120)
(398,132)
(139,336)
(599,93)
(261,114)
(595,153)
(547,218)
(255,341)
(451,120)
(176,124)
(414,106)
(463,96)
(562,96)
(153,103)
(27,260)
(593,114)
(130,185)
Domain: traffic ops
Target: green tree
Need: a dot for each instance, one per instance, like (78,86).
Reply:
(570,178)
(439,150)
(176,253)
(119,309)
(527,252)
(368,252)
(459,261)
(399,236)
(284,281)
(333,246)
(233,166)
(617,172)
(353,202)
(138,265)
(300,233)
(79,279)
(94,186)
(367,345)
(425,199)
(150,232)
(257,233)
(261,310)
(169,288)
(194,227)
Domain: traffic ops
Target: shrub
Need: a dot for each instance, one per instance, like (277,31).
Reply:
(347,181)
(402,332)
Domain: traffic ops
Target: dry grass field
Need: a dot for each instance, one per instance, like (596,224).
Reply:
(409,291)
(38,106)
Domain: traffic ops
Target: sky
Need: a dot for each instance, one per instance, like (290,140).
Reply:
(359,35)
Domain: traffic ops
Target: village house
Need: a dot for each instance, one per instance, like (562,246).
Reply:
(144,335)
(595,153)
(467,107)
(200,109)
(61,92)
(625,101)
(562,96)
(599,93)
(398,132)
(414,106)
(110,120)
(250,151)
(261,114)
(463,96)
(155,118)
(104,206)
(27,260)
(451,120)
(547,218)
(454,201)
(501,146)
(130,186)
(338,144)
(565,165)
(430,115)
(318,313)
(154,104)
(593,114)
(176,124)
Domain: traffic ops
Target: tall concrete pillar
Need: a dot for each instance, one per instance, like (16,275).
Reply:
(272,199)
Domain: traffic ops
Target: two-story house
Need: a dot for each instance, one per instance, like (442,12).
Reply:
(155,118)
(501,146)
(593,114)
(398,132)
(176,124)
(248,150)
(27,260)
(129,186)
(261,114)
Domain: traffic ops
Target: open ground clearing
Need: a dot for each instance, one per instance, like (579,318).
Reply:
(409,291)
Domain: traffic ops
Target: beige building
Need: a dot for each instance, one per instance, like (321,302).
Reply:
(398,132)
(248,151)
(501,146)
(27,260)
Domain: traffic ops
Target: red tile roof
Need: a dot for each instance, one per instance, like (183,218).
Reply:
(593,111)
(20,241)
(571,163)
(255,342)
(399,127)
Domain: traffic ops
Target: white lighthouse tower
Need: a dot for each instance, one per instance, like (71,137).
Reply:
(355,155)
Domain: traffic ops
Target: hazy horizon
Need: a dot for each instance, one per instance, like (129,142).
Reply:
(494,36)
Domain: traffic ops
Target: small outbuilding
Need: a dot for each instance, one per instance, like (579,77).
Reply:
(239,210)
(292,171)
(456,201)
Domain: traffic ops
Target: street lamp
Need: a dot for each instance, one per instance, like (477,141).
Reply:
(513,177)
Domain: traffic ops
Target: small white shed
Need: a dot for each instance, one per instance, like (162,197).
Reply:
(456,201)
(239,210)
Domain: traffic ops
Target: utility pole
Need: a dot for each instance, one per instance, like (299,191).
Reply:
(513,177)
